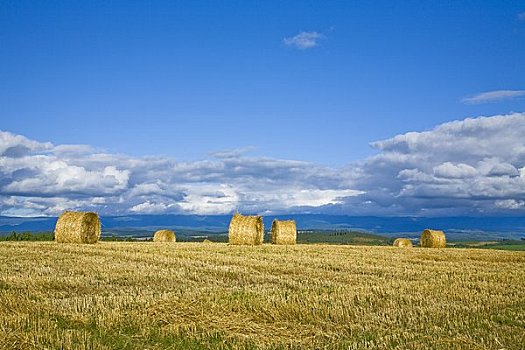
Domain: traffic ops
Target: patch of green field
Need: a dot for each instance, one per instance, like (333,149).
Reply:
(28,236)
(184,235)
(515,247)
(341,237)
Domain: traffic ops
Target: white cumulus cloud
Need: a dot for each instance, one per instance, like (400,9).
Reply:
(469,166)
(454,171)
(304,40)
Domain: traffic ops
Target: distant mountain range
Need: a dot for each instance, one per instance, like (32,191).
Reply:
(475,228)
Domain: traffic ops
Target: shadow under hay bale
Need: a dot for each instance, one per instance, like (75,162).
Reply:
(246,230)
(164,236)
(433,239)
(403,243)
(284,232)
(77,227)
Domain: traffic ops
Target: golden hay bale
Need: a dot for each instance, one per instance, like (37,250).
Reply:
(77,227)
(284,232)
(164,236)
(207,241)
(246,230)
(433,239)
(403,243)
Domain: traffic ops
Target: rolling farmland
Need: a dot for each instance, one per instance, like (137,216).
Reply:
(120,295)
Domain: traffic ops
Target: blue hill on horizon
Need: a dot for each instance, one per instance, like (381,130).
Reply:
(475,228)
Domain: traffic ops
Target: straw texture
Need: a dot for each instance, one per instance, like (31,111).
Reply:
(433,239)
(403,243)
(77,227)
(284,232)
(164,236)
(246,230)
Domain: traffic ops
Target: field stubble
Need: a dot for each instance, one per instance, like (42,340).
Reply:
(195,296)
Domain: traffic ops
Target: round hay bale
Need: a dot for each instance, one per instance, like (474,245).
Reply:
(207,241)
(246,230)
(77,227)
(164,236)
(403,243)
(284,232)
(433,239)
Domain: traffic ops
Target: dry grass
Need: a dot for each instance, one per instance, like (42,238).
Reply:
(198,296)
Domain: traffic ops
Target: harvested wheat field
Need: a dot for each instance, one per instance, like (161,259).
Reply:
(115,295)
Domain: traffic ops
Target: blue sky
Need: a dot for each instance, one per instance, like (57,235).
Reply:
(185,78)
(309,82)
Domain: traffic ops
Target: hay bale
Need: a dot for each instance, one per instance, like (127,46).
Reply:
(403,243)
(246,230)
(284,232)
(433,239)
(164,236)
(77,227)
(207,241)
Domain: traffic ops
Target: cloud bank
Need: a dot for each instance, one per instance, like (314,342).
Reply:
(469,167)
(45,179)
(474,166)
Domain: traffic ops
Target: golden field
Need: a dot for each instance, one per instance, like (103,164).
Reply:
(116,295)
